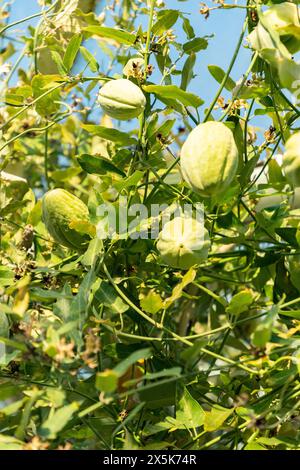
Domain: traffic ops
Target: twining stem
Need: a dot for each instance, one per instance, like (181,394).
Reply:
(226,76)
(291,302)
(32,129)
(275,106)
(36,15)
(31,104)
(174,335)
(14,68)
(218,298)
(128,301)
(147,47)
(142,142)
(46,161)
(246,131)
(235,95)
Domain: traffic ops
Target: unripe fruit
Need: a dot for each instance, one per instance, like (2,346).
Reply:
(60,208)
(284,19)
(261,40)
(183,242)
(121,99)
(209,158)
(291,160)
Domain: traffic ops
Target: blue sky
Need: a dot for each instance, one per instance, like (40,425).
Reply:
(225,25)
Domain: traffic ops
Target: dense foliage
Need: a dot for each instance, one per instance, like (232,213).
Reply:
(104,343)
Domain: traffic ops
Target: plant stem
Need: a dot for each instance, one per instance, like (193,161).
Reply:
(36,15)
(46,161)
(147,47)
(226,76)
(31,104)
(235,95)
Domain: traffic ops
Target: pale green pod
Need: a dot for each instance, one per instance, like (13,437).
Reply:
(60,208)
(209,158)
(121,99)
(183,242)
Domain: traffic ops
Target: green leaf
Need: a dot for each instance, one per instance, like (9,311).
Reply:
(254,446)
(219,75)
(175,93)
(166,19)
(188,28)
(10,443)
(177,290)
(93,252)
(71,52)
(57,421)
(136,356)
(215,418)
(152,302)
(187,71)
(98,165)
(7,276)
(291,313)
(106,295)
(107,381)
(240,302)
(288,234)
(112,135)
(90,59)
(130,181)
(40,85)
(189,413)
(263,331)
(119,35)
(157,395)
(14,100)
(195,45)
(59,62)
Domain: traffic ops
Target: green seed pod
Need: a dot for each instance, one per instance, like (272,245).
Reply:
(291,160)
(209,158)
(121,99)
(284,19)
(60,208)
(264,43)
(183,242)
